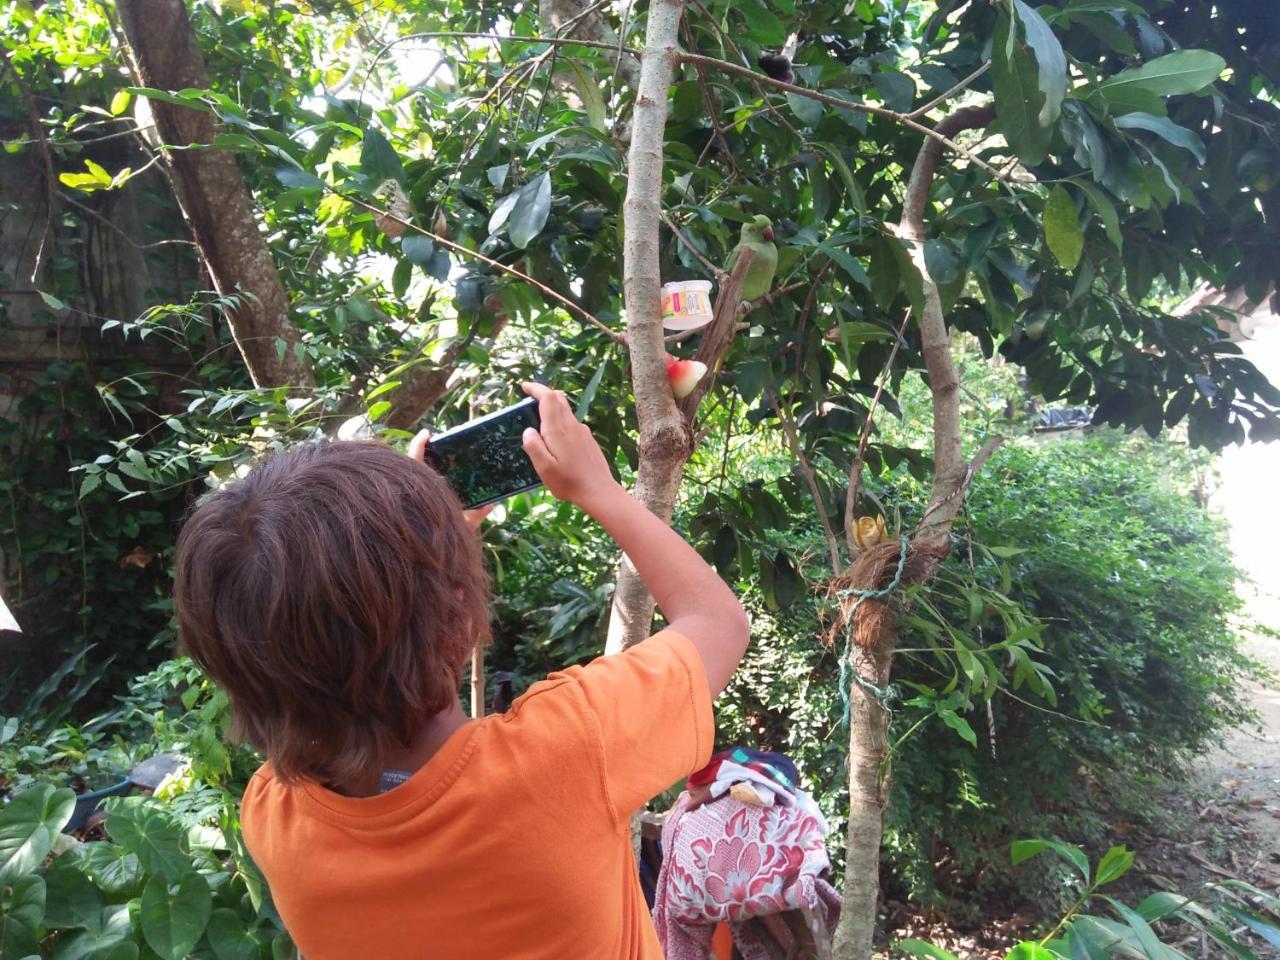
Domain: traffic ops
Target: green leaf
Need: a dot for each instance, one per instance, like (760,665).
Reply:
(1062,230)
(846,262)
(52,302)
(1106,211)
(750,377)
(1049,58)
(1026,849)
(960,725)
(1181,72)
(592,100)
(28,826)
(174,915)
(381,389)
(9,730)
(151,835)
(22,905)
(73,900)
(231,937)
(90,483)
(764,27)
(885,277)
(852,187)
(589,393)
(1113,865)
(378,160)
(1019,102)
(120,102)
(806,109)
(1160,904)
(898,90)
(918,948)
(104,939)
(942,261)
(400,278)
(296,179)
(1146,937)
(1006,553)
(1028,950)
(1263,928)
(418,249)
(378,409)
(1166,129)
(786,582)
(529,215)
(112,868)
(135,465)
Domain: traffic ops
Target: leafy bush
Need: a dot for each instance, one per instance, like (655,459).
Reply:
(1128,665)
(160,886)
(174,878)
(1229,914)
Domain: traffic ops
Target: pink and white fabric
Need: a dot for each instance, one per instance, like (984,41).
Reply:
(728,861)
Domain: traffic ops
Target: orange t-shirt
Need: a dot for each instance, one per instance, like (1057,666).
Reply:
(512,841)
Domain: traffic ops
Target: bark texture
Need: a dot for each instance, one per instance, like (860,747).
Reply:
(665,437)
(874,622)
(576,18)
(214,198)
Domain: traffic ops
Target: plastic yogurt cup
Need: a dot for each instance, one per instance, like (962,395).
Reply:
(686,305)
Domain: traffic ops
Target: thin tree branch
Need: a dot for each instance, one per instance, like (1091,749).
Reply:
(717,337)
(713,112)
(782,120)
(943,98)
(46,155)
(894,115)
(717,274)
(448,244)
(989,446)
(89,211)
(806,469)
(855,469)
(774,295)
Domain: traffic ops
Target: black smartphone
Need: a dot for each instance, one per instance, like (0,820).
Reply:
(484,460)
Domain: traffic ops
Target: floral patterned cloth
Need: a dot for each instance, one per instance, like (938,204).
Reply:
(727,861)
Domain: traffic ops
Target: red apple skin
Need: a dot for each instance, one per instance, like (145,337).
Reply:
(684,375)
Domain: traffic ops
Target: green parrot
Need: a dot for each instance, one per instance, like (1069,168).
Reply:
(757,235)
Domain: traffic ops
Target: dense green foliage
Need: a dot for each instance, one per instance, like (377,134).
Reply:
(1218,914)
(1080,627)
(1126,586)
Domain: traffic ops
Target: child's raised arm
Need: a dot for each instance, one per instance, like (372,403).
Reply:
(693,598)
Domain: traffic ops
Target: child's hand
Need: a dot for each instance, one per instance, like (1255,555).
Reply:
(564,452)
(418,451)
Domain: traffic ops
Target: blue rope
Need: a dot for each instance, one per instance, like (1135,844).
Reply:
(849,676)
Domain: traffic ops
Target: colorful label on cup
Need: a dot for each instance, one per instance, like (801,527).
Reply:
(687,303)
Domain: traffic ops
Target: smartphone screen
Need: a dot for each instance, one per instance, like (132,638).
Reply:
(484,460)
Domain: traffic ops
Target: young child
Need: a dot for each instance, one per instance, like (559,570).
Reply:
(336,593)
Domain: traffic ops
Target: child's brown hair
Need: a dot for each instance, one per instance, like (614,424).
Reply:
(336,593)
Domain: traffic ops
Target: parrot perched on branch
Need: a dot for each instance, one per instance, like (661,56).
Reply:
(757,236)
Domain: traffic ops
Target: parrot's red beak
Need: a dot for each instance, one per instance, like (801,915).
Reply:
(768,234)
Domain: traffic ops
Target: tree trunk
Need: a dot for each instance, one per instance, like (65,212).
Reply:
(632,614)
(665,437)
(216,202)
(577,18)
(874,622)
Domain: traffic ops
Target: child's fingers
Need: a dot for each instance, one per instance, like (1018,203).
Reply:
(553,406)
(418,445)
(536,448)
(473,518)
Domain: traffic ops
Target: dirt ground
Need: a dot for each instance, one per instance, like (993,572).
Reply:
(1245,775)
